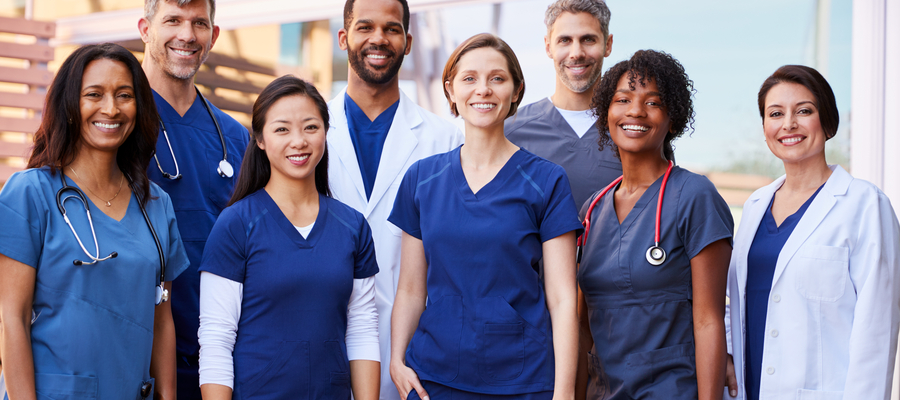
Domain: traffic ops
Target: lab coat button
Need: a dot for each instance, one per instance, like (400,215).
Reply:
(776,298)
(770,370)
(774,332)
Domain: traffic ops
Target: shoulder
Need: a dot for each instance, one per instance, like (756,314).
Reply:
(536,164)
(434,162)
(29,179)
(346,214)
(691,183)
(530,114)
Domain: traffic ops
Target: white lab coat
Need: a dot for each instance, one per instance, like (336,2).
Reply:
(834,308)
(414,134)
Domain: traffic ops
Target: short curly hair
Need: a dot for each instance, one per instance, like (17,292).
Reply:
(675,91)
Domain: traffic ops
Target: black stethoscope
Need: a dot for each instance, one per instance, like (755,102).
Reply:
(161,293)
(655,254)
(224,169)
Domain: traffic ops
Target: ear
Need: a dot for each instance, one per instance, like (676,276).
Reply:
(215,35)
(261,145)
(449,88)
(342,39)
(609,42)
(547,46)
(409,42)
(518,95)
(143,29)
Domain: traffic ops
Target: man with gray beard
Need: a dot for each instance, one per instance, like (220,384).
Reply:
(561,128)
(198,153)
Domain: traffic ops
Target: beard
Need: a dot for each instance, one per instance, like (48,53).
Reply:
(178,69)
(372,75)
(579,85)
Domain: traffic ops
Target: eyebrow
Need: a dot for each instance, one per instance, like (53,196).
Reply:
(284,121)
(493,71)
(99,86)
(799,103)
(178,16)
(372,22)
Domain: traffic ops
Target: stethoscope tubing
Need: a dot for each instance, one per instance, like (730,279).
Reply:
(161,293)
(652,257)
(224,169)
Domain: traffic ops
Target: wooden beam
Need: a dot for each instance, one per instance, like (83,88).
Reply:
(33,52)
(222,60)
(6,171)
(27,125)
(8,149)
(213,80)
(36,77)
(228,104)
(23,26)
(34,101)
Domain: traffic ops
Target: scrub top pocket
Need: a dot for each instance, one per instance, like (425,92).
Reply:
(824,270)
(503,351)
(67,387)
(437,339)
(290,365)
(652,367)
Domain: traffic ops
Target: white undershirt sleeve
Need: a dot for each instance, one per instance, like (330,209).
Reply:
(220,311)
(362,322)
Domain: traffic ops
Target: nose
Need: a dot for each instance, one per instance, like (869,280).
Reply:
(108,106)
(577,51)
(789,122)
(483,89)
(378,37)
(186,32)
(299,140)
(636,109)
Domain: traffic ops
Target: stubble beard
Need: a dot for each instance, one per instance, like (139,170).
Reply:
(174,69)
(581,85)
(358,63)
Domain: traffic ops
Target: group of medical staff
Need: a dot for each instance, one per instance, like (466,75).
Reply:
(358,247)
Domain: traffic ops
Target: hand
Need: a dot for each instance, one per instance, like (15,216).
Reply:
(730,377)
(406,380)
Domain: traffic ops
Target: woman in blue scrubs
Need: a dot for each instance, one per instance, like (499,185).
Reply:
(656,327)
(85,329)
(287,289)
(473,314)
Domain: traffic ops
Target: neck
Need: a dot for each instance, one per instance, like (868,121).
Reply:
(292,195)
(96,167)
(486,146)
(641,171)
(179,93)
(372,99)
(806,175)
(569,100)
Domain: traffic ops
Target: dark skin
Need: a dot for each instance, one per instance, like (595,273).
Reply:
(638,124)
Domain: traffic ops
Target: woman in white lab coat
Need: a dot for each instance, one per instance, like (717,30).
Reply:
(814,294)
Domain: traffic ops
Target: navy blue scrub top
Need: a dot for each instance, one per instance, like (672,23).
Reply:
(542,130)
(93,334)
(368,138)
(486,328)
(640,315)
(198,197)
(290,338)
(761,259)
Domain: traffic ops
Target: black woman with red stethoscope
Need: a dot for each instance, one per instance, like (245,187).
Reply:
(655,251)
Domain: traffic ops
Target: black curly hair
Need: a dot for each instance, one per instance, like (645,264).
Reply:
(675,90)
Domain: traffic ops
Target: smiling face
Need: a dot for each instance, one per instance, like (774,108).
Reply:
(107,104)
(483,88)
(375,40)
(293,138)
(791,124)
(178,39)
(577,46)
(638,120)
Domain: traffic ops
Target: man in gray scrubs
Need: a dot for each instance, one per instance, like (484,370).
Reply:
(561,128)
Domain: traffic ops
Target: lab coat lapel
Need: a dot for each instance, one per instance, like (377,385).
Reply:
(836,185)
(398,146)
(339,137)
(754,211)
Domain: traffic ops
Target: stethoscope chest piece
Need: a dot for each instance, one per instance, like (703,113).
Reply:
(656,255)
(225,169)
(161,294)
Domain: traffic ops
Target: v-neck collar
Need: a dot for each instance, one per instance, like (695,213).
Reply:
(168,113)
(650,196)
(285,224)
(791,221)
(95,207)
(495,183)
(555,118)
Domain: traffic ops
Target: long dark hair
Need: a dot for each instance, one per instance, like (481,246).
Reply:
(829,117)
(255,169)
(56,140)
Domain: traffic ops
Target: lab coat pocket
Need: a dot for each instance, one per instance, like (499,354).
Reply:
(822,271)
(66,387)
(804,394)
(434,348)
(287,372)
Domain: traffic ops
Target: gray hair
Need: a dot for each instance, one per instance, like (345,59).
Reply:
(597,8)
(150,7)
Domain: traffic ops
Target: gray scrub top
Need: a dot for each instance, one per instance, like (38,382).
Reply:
(542,130)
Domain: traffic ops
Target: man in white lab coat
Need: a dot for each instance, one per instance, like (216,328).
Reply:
(376,133)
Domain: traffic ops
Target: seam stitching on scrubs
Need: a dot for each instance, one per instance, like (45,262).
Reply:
(340,220)
(115,314)
(255,220)
(426,180)
(531,181)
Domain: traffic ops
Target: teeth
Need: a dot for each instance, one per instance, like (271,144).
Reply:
(484,106)
(581,68)
(298,158)
(107,126)
(792,140)
(635,128)
(183,52)
(376,56)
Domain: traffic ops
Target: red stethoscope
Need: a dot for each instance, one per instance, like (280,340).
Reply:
(655,254)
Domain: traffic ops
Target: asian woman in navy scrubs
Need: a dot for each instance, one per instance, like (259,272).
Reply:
(473,315)
(287,295)
(656,329)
